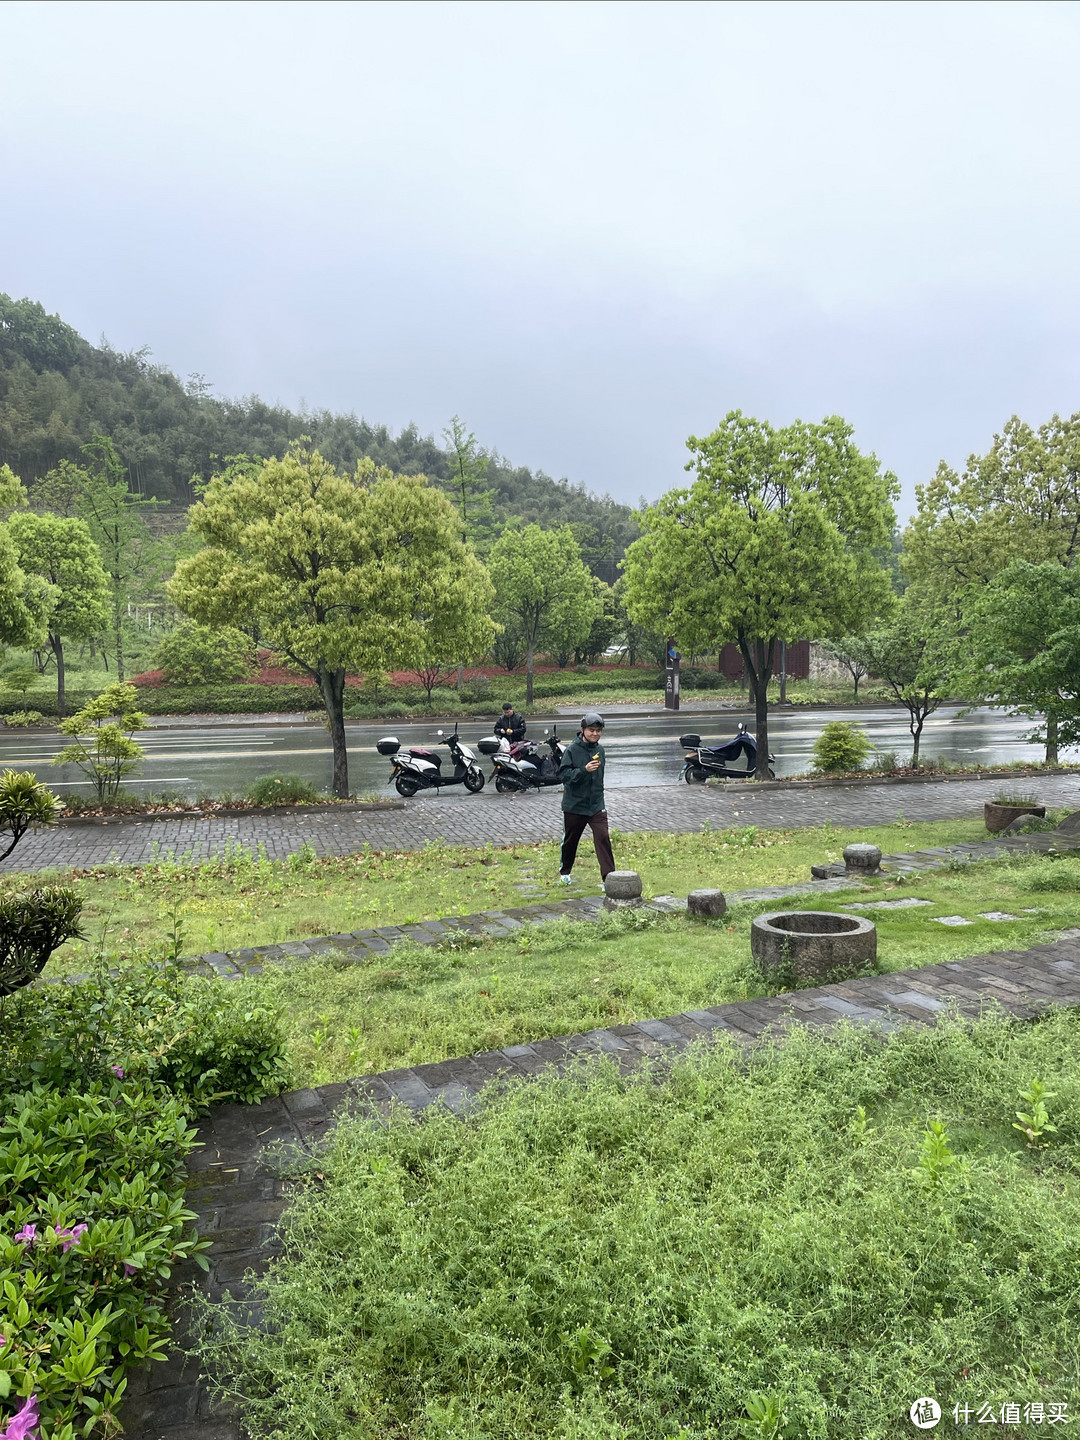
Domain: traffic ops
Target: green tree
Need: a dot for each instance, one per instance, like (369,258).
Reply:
(196,654)
(917,656)
(543,587)
(778,538)
(604,628)
(467,482)
(336,572)
(102,745)
(118,526)
(61,553)
(1022,649)
(1019,501)
(24,801)
(848,653)
(25,600)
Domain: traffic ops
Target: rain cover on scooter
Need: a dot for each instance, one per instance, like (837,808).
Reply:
(428,755)
(743,744)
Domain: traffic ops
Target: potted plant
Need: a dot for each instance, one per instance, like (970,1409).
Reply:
(1008,805)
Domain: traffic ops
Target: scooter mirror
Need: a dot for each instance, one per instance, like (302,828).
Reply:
(438,732)
(545,730)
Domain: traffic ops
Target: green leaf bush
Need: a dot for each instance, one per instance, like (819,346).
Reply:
(204,655)
(99,1081)
(93,1224)
(20,719)
(32,926)
(840,747)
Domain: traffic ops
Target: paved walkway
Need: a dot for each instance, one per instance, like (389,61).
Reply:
(508,819)
(239,1201)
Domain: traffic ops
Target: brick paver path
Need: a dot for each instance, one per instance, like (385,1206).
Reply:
(507,819)
(239,1201)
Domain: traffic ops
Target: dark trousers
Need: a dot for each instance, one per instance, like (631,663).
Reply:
(574,828)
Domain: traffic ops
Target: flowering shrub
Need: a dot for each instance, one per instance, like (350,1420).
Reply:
(98,1083)
(91,1195)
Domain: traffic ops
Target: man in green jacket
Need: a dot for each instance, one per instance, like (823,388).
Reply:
(582,774)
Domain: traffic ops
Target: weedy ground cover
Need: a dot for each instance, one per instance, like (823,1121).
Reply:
(244,899)
(420,1004)
(798,1246)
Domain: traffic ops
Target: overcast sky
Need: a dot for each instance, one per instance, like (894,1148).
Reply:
(588,229)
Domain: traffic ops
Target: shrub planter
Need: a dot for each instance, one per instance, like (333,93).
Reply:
(997,817)
(814,946)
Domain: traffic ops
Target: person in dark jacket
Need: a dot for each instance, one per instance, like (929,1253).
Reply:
(511,725)
(582,774)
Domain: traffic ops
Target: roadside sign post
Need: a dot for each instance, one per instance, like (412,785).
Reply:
(671,678)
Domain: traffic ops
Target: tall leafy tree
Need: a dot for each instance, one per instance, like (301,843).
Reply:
(366,571)
(544,589)
(917,655)
(116,517)
(25,599)
(1022,649)
(62,554)
(1019,501)
(779,538)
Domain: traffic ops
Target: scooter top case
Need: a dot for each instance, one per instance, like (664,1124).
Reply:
(388,745)
(490,745)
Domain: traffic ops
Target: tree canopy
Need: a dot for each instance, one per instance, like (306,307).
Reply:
(780,537)
(365,571)
(544,590)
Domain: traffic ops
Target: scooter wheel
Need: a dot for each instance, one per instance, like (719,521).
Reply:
(696,775)
(474,781)
(504,786)
(405,786)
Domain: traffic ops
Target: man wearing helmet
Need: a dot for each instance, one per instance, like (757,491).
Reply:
(582,774)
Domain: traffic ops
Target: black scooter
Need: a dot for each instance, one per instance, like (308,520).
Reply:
(524,766)
(421,769)
(701,762)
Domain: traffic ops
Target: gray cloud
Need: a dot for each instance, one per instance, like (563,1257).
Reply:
(590,229)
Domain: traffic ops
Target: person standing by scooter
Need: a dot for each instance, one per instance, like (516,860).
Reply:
(511,726)
(582,774)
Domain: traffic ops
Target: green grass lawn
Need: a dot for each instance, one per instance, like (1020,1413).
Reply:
(429,1003)
(783,1248)
(242,900)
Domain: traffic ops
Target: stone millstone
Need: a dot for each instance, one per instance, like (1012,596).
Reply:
(863,859)
(706,904)
(622,885)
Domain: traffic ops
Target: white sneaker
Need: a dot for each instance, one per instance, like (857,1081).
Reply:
(566,879)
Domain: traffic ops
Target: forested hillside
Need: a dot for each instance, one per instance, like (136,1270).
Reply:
(57,390)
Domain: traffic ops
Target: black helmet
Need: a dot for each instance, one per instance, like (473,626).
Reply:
(591,718)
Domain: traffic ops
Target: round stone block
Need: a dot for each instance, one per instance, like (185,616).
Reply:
(623,885)
(866,858)
(813,945)
(706,904)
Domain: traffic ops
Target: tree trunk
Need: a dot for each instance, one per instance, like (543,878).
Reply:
(61,683)
(529,677)
(857,679)
(460,676)
(1051,739)
(758,667)
(783,672)
(332,686)
(915,727)
(119,637)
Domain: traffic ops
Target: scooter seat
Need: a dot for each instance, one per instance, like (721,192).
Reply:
(422,754)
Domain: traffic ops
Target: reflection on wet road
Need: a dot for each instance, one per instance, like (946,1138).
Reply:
(643,749)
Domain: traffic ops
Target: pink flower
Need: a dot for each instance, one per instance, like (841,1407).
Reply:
(69,1237)
(23,1425)
(130,1270)
(118,1071)
(27,1235)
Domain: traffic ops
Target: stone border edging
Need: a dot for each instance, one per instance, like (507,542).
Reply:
(856,780)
